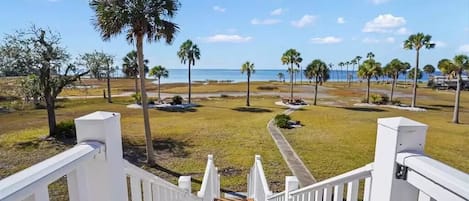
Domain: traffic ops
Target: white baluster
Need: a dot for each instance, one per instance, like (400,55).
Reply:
(319,194)
(367,189)
(76,183)
(338,192)
(424,197)
(135,188)
(147,191)
(352,191)
(327,194)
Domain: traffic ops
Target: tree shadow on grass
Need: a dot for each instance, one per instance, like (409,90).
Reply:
(364,109)
(445,106)
(251,109)
(177,109)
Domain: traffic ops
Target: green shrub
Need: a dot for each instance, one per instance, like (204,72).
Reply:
(379,99)
(281,121)
(224,96)
(151,101)
(396,102)
(177,100)
(65,130)
(267,87)
(137,98)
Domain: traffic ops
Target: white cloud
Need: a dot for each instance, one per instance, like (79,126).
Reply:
(340,20)
(439,44)
(219,9)
(390,40)
(402,31)
(278,11)
(379,1)
(220,38)
(370,40)
(464,48)
(256,21)
(304,21)
(384,23)
(326,40)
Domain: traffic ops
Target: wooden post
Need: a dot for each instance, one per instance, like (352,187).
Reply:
(103,177)
(395,135)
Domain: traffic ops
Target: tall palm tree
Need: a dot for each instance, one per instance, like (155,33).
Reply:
(281,77)
(138,18)
(417,41)
(291,57)
(358,58)
(353,62)
(369,69)
(455,69)
(189,52)
(370,55)
(393,69)
(348,75)
(159,72)
(130,66)
(341,65)
(318,71)
(248,67)
(331,65)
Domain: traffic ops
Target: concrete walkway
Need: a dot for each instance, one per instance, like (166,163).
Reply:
(294,162)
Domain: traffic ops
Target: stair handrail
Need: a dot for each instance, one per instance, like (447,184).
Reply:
(258,187)
(210,188)
(153,187)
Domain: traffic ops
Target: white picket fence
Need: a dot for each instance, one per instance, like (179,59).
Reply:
(400,172)
(96,171)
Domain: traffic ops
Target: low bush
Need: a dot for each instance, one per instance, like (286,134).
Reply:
(396,102)
(65,130)
(267,87)
(137,98)
(224,96)
(151,101)
(379,99)
(281,121)
(177,100)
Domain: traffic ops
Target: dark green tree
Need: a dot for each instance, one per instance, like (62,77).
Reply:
(188,53)
(293,58)
(417,41)
(130,67)
(138,18)
(393,69)
(248,67)
(369,69)
(159,72)
(318,71)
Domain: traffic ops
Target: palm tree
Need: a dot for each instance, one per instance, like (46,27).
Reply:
(455,69)
(393,69)
(341,65)
(429,69)
(358,58)
(417,41)
(158,72)
(348,75)
(281,77)
(138,18)
(370,55)
(353,62)
(369,69)
(130,66)
(318,71)
(331,65)
(248,67)
(189,52)
(291,57)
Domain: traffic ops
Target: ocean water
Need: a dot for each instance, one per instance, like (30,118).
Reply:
(180,75)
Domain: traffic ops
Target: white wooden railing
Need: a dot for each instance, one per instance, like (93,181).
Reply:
(258,187)
(210,187)
(95,170)
(32,183)
(400,172)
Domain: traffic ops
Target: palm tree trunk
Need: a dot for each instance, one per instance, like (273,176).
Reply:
(159,89)
(291,83)
(393,85)
(50,105)
(457,99)
(146,118)
(109,100)
(315,91)
(136,86)
(368,90)
(414,88)
(247,97)
(190,84)
(348,77)
(301,75)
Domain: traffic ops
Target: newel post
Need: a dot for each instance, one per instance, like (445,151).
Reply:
(291,184)
(395,135)
(104,177)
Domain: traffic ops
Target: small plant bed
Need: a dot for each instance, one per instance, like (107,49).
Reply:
(284,121)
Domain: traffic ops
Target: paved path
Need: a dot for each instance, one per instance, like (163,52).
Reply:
(294,162)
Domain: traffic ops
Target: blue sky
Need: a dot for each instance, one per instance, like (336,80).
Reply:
(230,32)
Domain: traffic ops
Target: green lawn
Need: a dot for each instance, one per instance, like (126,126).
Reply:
(337,139)
(183,140)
